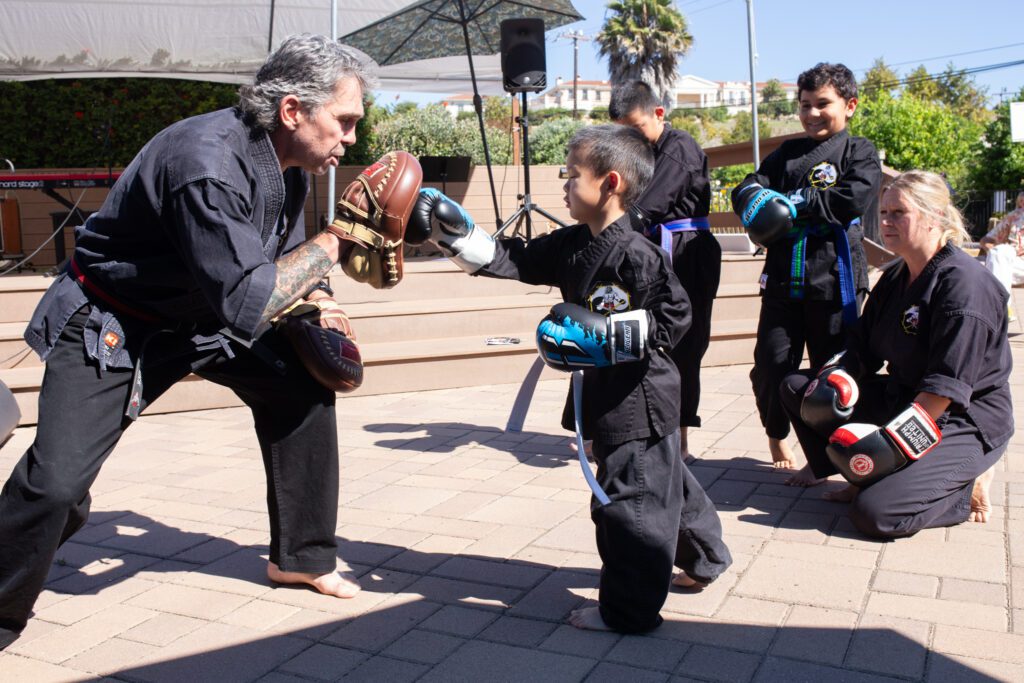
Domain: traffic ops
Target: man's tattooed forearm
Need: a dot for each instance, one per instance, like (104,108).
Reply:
(297,272)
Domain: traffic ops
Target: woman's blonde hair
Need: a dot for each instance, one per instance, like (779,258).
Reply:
(929,194)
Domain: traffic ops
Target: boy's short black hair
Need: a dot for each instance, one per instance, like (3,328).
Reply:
(631,96)
(822,74)
(611,147)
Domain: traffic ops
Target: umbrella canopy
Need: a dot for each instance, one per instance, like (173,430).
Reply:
(224,41)
(436,28)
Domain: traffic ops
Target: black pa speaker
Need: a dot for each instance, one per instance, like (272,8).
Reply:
(522,55)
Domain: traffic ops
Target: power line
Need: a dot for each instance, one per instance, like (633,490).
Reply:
(887,85)
(955,54)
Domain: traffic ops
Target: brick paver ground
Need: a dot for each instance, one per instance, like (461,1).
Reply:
(473,545)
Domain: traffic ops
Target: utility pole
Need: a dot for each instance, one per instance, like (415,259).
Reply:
(753,82)
(575,36)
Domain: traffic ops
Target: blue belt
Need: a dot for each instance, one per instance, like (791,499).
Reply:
(662,232)
(798,264)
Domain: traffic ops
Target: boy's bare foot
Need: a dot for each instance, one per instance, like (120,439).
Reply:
(981,506)
(588,449)
(684,448)
(588,618)
(684,580)
(333,583)
(782,456)
(843,495)
(804,477)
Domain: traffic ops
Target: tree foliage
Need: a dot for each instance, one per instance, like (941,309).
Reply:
(774,102)
(644,40)
(915,133)
(879,79)
(743,129)
(999,162)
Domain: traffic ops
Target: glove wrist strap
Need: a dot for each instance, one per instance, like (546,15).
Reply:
(474,251)
(627,336)
(914,431)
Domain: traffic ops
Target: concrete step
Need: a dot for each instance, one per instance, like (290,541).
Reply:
(433,320)
(407,365)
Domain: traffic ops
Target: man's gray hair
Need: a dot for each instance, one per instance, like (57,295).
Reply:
(308,66)
(611,147)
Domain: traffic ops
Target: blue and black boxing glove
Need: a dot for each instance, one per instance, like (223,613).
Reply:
(766,214)
(571,337)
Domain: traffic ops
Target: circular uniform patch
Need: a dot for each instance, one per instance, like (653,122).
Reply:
(823,175)
(607,298)
(862,465)
(911,320)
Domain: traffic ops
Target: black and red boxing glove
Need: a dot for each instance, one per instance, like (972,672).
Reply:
(865,453)
(828,400)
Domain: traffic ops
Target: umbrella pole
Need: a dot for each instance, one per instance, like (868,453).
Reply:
(478,105)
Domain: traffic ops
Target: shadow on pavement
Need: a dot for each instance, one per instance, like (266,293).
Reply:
(454,617)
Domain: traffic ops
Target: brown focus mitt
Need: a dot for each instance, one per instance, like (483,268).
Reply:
(317,332)
(373,213)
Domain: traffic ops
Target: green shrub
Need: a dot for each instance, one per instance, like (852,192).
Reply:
(93,122)
(549,140)
(432,131)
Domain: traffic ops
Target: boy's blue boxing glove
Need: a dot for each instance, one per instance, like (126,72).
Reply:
(570,337)
(766,214)
(445,224)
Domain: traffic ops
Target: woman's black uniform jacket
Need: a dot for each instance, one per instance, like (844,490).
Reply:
(617,271)
(944,334)
(840,179)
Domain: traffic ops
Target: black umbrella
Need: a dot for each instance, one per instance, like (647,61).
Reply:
(441,28)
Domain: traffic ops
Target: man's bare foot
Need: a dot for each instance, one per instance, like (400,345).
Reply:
(684,580)
(782,456)
(843,495)
(333,583)
(981,506)
(588,618)
(804,477)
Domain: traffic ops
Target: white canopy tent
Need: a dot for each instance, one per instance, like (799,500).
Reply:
(212,40)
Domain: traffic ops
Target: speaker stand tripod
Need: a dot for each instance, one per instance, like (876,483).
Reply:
(523,215)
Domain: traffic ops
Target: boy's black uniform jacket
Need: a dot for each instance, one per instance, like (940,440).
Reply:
(945,333)
(680,186)
(617,271)
(840,180)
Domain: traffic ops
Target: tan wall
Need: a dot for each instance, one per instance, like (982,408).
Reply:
(35,208)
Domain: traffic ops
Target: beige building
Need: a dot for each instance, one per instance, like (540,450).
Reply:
(690,92)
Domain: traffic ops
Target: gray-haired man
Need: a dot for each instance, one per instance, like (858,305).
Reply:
(198,246)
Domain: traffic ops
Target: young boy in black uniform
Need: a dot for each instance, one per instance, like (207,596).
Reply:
(675,207)
(804,205)
(658,515)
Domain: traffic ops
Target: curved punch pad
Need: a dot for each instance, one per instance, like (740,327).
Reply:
(330,357)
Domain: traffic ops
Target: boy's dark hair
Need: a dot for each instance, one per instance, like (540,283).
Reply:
(822,74)
(629,97)
(611,147)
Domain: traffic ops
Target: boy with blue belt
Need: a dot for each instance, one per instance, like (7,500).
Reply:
(804,206)
(675,208)
(624,310)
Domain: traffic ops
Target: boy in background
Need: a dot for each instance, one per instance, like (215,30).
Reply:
(675,207)
(803,204)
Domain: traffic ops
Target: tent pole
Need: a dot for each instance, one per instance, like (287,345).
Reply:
(478,105)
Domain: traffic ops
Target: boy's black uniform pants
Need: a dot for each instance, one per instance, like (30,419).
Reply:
(784,327)
(697,262)
(659,516)
(81,419)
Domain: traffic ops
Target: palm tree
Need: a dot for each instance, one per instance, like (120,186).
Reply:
(644,40)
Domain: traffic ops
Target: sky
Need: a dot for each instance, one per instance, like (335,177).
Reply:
(792,35)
